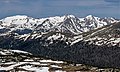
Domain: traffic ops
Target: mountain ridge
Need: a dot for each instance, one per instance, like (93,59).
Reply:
(67,27)
(68,23)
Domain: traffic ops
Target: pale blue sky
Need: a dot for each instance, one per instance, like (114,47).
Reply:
(46,8)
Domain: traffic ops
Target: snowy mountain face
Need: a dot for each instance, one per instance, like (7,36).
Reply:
(108,35)
(81,40)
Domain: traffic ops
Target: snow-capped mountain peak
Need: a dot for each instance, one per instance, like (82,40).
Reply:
(18,19)
(89,17)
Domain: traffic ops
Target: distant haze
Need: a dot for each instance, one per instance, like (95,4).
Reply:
(47,8)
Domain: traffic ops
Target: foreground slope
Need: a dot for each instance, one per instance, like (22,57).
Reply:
(16,60)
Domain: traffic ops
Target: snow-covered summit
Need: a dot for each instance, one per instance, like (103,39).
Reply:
(18,19)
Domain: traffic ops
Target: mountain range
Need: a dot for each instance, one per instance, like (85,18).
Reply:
(66,24)
(90,40)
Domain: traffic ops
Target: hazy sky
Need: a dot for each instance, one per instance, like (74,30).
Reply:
(45,8)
